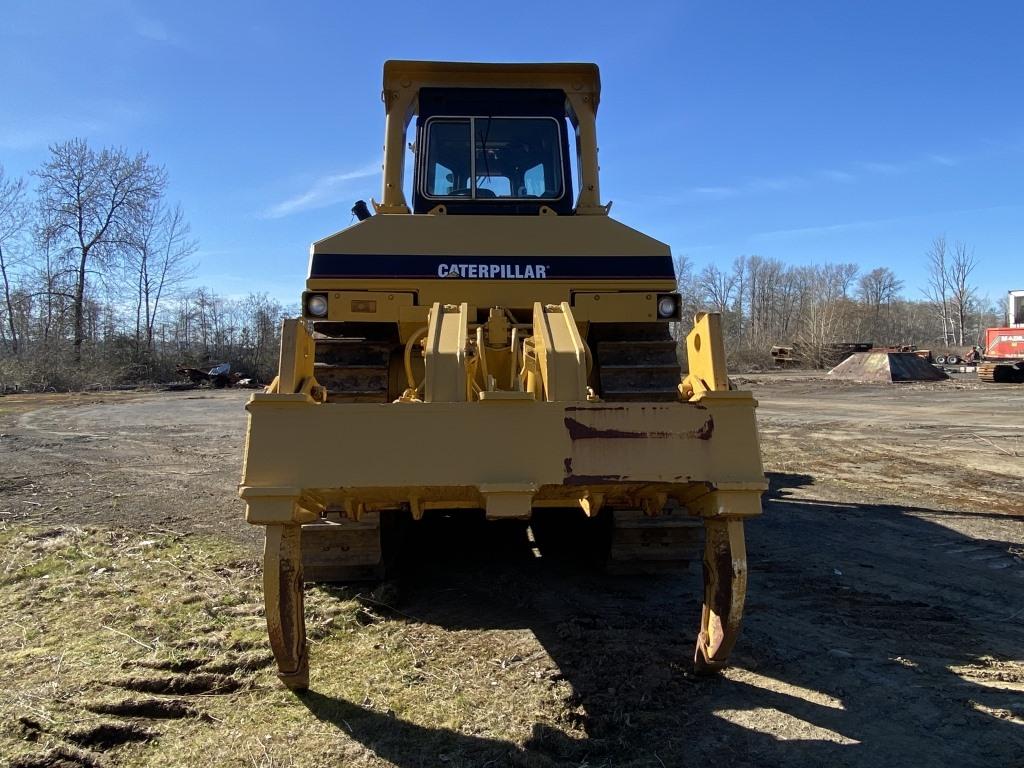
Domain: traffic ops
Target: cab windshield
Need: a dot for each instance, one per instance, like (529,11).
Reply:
(509,158)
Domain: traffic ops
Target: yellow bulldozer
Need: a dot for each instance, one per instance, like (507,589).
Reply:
(503,348)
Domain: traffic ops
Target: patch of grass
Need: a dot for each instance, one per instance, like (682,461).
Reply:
(94,621)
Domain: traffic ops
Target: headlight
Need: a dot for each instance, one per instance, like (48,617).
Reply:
(316,305)
(668,307)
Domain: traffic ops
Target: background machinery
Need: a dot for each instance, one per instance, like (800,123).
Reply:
(501,347)
(1003,355)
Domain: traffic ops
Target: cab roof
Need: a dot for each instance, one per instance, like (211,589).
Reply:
(568,77)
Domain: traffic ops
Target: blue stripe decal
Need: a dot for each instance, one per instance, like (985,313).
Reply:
(340,265)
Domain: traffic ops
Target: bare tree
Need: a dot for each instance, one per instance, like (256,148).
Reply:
(962,293)
(158,263)
(13,219)
(263,316)
(93,204)
(949,289)
(1003,310)
(877,290)
(823,312)
(938,289)
(686,284)
(717,288)
(845,275)
(690,303)
(764,278)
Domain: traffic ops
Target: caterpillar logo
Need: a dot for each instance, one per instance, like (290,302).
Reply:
(494,271)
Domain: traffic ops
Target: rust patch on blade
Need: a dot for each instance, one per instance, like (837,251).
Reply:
(580,431)
(721,600)
(592,408)
(717,599)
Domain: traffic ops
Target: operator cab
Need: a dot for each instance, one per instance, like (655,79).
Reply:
(492,151)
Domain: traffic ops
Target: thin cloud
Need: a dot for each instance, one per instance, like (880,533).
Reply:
(783,234)
(713,193)
(325,191)
(828,229)
(152,29)
(785,183)
(885,169)
(34,132)
(841,177)
(727,191)
(39,134)
(776,184)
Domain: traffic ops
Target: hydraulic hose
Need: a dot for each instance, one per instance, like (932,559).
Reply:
(481,353)
(407,358)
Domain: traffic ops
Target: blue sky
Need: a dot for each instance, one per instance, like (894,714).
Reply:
(806,131)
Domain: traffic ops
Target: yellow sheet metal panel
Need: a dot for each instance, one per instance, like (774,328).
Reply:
(461,253)
(325,446)
(560,353)
(517,295)
(583,108)
(485,237)
(608,307)
(367,306)
(444,354)
(296,361)
(706,356)
(570,77)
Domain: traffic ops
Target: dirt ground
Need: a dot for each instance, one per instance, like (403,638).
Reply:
(885,621)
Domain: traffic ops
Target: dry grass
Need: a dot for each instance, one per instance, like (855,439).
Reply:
(149,650)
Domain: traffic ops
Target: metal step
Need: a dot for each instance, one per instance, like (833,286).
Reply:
(354,352)
(340,550)
(668,543)
(353,370)
(638,370)
(633,353)
(349,380)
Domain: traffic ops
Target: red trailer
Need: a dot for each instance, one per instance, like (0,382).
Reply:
(1003,357)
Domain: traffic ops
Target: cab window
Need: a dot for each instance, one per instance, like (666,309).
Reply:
(509,158)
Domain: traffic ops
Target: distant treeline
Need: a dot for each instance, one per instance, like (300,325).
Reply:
(765,302)
(96,265)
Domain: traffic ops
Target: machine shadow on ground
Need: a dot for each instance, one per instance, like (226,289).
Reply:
(853,666)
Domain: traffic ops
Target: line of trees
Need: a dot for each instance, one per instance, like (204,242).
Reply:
(765,302)
(95,271)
